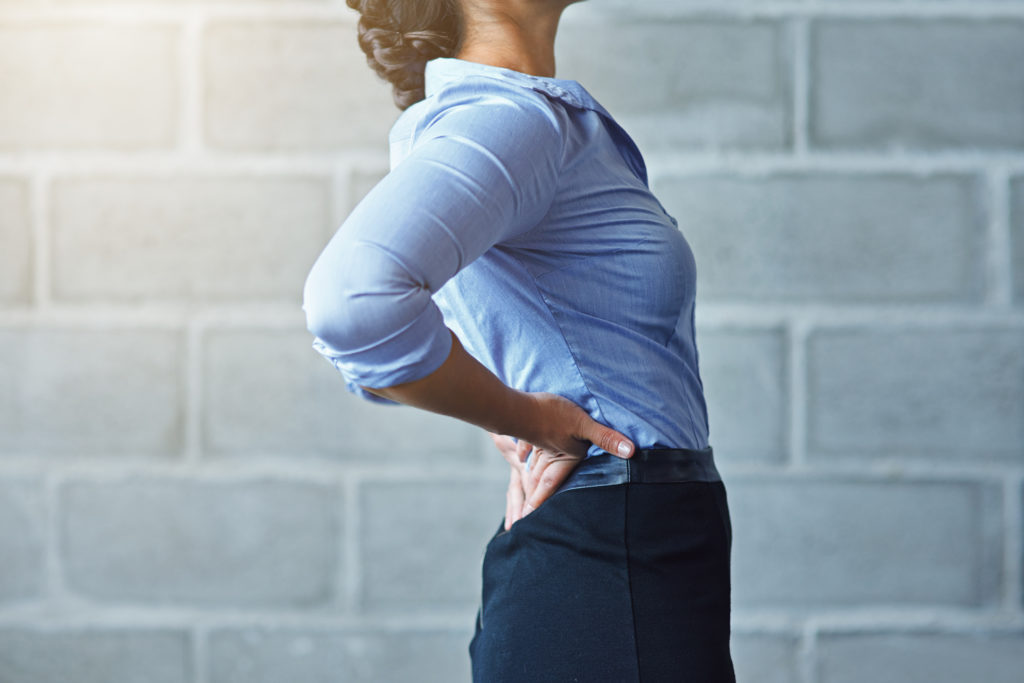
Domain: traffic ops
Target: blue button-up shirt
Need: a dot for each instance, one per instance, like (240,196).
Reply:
(517,213)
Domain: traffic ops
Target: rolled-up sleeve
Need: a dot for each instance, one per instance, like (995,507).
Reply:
(483,170)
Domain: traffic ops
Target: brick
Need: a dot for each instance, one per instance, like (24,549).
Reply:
(270,391)
(88,85)
(22,542)
(323,97)
(690,83)
(90,392)
(813,543)
(921,657)
(765,658)
(15,242)
(830,236)
(422,543)
(94,655)
(1017,237)
(187,237)
(916,83)
(744,376)
(326,656)
(935,393)
(210,544)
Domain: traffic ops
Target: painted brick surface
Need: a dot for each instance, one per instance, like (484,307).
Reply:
(422,543)
(242,544)
(697,83)
(765,658)
(188,494)
(745,387)
(290,86)
(824,237)
(91,85)
(187,238)
(889,83)
(921,657)
(262,656)
(22,540)
(265,392)
(815,544)
(936,393)
(15,242)
(94,655)
(81,392)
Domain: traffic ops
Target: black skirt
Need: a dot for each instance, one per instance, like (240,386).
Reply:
(620,579)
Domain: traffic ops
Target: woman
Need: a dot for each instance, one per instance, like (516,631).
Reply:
(513,270)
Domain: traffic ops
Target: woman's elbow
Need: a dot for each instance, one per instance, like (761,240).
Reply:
(352,316)
(330,313)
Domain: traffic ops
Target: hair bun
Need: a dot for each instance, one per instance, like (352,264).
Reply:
(398,53)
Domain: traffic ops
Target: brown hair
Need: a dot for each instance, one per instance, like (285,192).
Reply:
(399,37)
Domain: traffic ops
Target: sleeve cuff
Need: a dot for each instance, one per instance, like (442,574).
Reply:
(433,344)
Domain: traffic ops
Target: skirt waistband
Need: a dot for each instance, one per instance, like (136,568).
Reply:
(648,465)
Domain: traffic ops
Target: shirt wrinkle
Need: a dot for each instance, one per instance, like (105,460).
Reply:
(403,266)
(583,258)
(572,354)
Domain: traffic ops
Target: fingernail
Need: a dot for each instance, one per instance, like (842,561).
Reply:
(623,449)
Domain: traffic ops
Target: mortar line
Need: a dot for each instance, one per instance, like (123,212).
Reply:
(801,69)
(198,636)
(807,650)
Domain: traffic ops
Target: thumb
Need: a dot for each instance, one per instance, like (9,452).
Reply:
(609,440)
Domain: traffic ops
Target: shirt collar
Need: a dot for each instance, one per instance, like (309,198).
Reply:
(444,70)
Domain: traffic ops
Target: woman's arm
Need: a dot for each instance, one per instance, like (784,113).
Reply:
(485,170)
(558,429)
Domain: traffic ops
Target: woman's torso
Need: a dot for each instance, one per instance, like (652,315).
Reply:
(595,303)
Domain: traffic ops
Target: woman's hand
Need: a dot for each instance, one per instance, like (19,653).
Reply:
(515,454)
(559,431)
(560,434)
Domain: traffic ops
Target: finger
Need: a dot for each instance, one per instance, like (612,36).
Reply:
(510,506)
(537,464)
(503,441)
(555,472)
(607,439)
(507,447)
(523,450)
(540,470)
(515,499)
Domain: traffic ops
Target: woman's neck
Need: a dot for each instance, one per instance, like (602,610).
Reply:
(512,34)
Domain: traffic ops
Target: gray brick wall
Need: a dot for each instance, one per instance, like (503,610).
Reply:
(188,494)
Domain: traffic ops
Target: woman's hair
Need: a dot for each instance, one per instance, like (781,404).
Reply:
(399,37)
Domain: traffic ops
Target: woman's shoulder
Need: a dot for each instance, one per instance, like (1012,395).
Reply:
(482,103)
